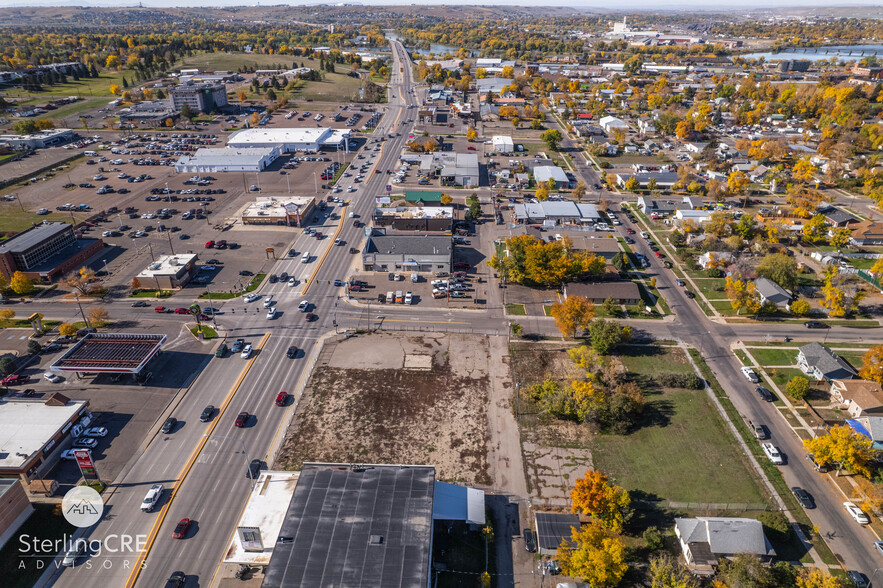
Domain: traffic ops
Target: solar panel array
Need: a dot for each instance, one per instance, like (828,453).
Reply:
(97,351)
(356,526)
(553,527)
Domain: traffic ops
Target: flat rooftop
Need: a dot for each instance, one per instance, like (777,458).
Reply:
(26,426)
(116,353)
(167,265)
(33,236)
(261,136)
(275,206)
(367,525)
(265,510)
(220,156)
(552,527)
(416,212)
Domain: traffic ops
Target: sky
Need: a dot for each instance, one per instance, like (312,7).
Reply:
(624,5)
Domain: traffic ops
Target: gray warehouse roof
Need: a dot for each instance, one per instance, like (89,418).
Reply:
(367,525)
(33,236)
(410,244)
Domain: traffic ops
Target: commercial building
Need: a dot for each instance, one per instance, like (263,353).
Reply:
(663,179)
(154,113)
(543,173)
(356,525)
(39,140)
(213,159)
(408,253)
(290,140)
(46,251)
(417,218)
(290,211)
(555,212)
(168,272)
(611,124)
(794,65)
(626,293)
(15,508)
(503,144)
(32,433)
(458,169)
(110,353)
(199,97)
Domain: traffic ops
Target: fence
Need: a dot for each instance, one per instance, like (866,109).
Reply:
(700,506)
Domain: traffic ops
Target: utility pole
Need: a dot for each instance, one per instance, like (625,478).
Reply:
(82,314)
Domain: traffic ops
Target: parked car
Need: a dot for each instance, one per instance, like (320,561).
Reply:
(54,378)
(95,432)
(86,443)
(803,497)
(772,452)
(750,375)
(856,513)
(529,544)
(858,579)
(764,393)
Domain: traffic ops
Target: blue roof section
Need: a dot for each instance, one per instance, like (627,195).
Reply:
(858,428)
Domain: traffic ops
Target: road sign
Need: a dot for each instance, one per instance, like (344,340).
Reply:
(87,466)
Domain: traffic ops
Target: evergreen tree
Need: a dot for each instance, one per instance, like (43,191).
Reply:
(125,82)
(93,71)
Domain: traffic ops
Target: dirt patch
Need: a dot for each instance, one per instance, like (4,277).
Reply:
(361,408)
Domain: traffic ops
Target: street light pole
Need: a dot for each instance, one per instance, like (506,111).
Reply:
(82,314)
(105,267)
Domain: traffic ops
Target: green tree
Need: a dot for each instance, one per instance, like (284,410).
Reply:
(797,387)
(187,112)
(271,95)
(610,306)
(517,329)
(780,268)
(552,138)
(25,127)
(666,572)
(34,347)
(7,365)
(745,571)
(801,307)
(607,335)
(815,230)
(632,184)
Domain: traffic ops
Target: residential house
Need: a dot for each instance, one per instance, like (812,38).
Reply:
(837,217)
(648,205)
(543,173)
(704,540)
(867,233)
(861,397)
(693,202)
(711,259)
(770,291)
(758,174)
(646,126)
(820,362)
(697,217)
(871,427)
(663,179)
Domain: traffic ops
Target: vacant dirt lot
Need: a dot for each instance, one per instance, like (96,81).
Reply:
(386,398)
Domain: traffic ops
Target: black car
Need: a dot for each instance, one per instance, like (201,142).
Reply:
(803,497)
(689,294)
(274,278)
(245,273)
(207,413)
(815,325)
(283,276)
(254,469)
(292,352)
(529,543)
(858,579)
(764,393)
(176,580)
(170,425)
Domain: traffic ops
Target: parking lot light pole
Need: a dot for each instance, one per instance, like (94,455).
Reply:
(105,267)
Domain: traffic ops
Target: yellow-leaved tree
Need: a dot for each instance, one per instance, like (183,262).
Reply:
(20,283)
(595,496)
(817,578)
(742,294)
(872,364)
(593,554)
(572,315)
(844,448)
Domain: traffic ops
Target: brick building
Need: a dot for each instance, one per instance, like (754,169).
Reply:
(46,251)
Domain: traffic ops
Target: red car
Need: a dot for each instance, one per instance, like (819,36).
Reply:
(222,244)
(630,231)
(282,399)
(209,244)
(241,419)
(181,529)
(309,317)
(376,171)
(471,148)
(182,311)
(15,379)
(159,309)
(461,266)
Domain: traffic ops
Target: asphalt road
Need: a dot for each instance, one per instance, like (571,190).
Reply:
(214,485)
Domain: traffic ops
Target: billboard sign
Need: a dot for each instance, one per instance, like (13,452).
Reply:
(87,466)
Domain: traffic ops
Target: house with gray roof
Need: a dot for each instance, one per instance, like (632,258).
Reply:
(648,205)
(837,217)
(821,363)
(704,540)
(871,427)
(770,291)
(543,173)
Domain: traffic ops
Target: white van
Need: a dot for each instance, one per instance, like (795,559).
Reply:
(305,258)
(90,154)
(152,497)
(414,278)
(389,297)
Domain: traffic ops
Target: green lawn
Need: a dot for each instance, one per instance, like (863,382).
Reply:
(781,376)
(516,309)
(743,357)
(84,87)
(774,356)
(682,452)
(232,61)
(207,331)
(708,287)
